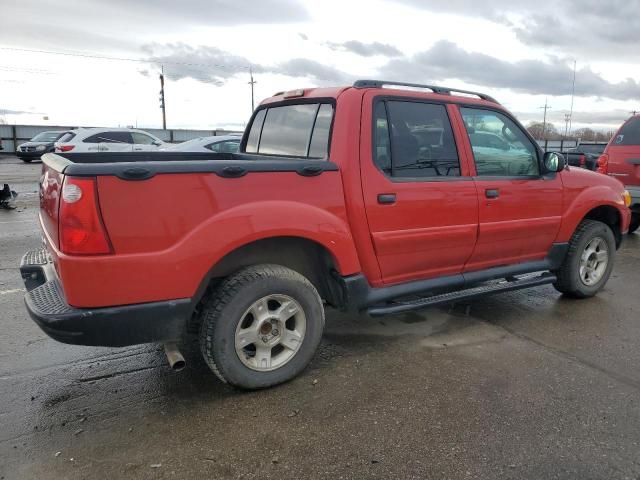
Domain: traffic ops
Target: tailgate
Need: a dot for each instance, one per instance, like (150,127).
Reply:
(50,190)
(624,163)
(624,153)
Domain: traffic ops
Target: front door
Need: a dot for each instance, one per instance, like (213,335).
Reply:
(143,142)
(421,203)
(520,209)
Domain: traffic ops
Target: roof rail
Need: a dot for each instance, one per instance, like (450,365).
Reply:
(433,88)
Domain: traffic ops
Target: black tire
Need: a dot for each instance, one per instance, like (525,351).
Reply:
(26,160)
(225,308)
(635,222)
(569,281)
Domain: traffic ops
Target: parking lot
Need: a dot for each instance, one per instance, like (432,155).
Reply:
(520,385)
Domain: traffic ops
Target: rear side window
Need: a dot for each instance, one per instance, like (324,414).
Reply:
(629,134)
(413,140)
(300,130)
(109,137)
(67,137)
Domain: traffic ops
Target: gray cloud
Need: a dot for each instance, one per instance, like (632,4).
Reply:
(603,29)
(206,64)
(366,49)
(105,26)
(573,27)
(446,60)
(302,67)
(212,65)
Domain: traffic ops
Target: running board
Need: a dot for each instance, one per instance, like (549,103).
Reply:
(506,286)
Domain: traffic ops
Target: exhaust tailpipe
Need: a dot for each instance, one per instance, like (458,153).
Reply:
(174,357)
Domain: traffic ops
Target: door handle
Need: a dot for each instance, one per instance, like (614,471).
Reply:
(492,193)
(138,148)
(387,198)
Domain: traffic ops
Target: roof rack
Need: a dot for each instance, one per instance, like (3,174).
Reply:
(433,88)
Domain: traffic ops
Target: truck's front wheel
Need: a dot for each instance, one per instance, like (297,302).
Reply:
(589,261)
(261,326)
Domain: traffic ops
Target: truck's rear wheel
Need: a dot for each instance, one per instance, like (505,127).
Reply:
(589,261)
(261,326)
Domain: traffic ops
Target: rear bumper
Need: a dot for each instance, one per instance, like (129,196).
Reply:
(109,326)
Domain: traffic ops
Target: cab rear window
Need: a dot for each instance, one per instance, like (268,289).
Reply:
(296,130)
(629,134)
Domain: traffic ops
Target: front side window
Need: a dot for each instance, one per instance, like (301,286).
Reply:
(297,130)
(500,147)
(414,140)
(229,146)
(142,139)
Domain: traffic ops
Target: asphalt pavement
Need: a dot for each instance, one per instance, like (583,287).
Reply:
(524,385)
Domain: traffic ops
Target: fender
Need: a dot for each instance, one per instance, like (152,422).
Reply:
(250,222)
(579,203)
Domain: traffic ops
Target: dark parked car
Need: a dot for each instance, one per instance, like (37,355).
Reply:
(39,145)
(585,155)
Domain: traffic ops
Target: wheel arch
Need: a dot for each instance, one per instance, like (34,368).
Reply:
(608,215)
(303,255)
(599,203)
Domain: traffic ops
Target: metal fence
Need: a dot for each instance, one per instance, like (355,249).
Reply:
(13,135)
(558,145)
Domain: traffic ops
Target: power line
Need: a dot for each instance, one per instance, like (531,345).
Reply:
(125,59)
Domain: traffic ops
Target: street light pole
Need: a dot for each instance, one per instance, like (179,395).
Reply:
(252,82)
(162,105)
(573,93)
(544,121)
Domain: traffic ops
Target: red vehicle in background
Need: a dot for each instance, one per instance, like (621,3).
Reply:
(363,198)
(621,159)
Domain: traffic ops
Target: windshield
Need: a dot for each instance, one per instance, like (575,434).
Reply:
(47,137)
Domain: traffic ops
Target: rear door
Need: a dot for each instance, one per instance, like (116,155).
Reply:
(624,153)
(520,210)
(421,203)
(114,141)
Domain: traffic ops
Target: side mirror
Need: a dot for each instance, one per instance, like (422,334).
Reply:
(554,162)
(156,143)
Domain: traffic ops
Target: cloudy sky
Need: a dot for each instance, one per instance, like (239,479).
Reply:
(520,52)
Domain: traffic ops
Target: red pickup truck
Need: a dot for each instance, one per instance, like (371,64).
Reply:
(364,198)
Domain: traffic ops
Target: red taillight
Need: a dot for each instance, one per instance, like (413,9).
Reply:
(603,164)
(81,229)
(65,148)
(583,160)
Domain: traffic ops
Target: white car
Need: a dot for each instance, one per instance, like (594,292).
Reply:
(218,144)
(84,140)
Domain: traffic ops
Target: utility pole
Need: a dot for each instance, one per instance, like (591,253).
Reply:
(567,119)
(162,106)
(544,121)
(573,93)
(252,82)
